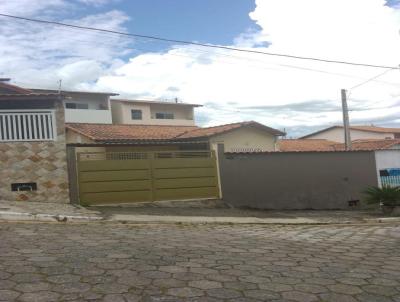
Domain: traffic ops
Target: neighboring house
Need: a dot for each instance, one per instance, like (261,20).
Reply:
(237,137)
(33,164)
(304,145)
(371,144)
(181,164)
(336,133)
(85,107)
(138,112)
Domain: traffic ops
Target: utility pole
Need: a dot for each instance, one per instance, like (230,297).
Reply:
(59,86)
(346,123)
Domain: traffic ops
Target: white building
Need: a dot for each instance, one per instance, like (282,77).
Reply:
(85,107)
(139,112)
(336,133)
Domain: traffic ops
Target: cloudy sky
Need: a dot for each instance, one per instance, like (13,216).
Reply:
(296,95)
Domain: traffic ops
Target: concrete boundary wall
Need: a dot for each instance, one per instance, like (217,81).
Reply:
(296,180)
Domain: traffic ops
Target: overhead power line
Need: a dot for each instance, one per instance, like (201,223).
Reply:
(196,43)
(369,80)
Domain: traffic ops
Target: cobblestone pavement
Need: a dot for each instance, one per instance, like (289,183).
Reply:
(105,262)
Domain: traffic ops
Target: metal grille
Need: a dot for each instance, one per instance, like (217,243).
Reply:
(143,155)
(126,155)
(392,181)
(27,126)
(183,154)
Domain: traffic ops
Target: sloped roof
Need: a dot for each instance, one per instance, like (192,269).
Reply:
(211,131)
(369,144)
(291,145)
(376,129)
(37,90)
(6,88)
(12,92)
(304,145)
(156,102)
(360,128)
(106,132)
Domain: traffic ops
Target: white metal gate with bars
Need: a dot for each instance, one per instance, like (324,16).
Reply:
(27,125)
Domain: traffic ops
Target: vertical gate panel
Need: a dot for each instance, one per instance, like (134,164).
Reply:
(106,178)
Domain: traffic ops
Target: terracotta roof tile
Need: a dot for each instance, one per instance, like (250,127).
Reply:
(211,131)
(304,145)
(376,129)
(298,145)
(6,88)
(360,128)
(12,92)
(370,144)
(104,132)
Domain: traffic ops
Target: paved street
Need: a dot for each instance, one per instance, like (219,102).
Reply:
(105,262)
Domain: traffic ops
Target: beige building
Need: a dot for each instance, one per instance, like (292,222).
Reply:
(138,112)
(336,133)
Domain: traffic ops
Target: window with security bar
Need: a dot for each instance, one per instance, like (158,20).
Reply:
(19,126)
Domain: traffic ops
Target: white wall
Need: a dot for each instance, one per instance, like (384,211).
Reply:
(251,139)
(95,112)
(122,114)
(88,116)
(93,100)
(337,135)
(386,159)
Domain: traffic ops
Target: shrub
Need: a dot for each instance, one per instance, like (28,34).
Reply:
(388,196)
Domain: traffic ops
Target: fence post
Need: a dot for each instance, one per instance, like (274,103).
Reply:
(72,175)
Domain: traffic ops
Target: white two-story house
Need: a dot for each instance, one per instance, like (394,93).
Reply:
(139,112)
(97,121)
(85,107)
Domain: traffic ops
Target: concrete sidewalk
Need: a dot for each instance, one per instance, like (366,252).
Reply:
(52,212)
(46,212)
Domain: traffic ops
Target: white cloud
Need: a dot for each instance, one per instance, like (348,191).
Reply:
(39,55)
(234,86)
(31,7)
(358,30)
(95,2)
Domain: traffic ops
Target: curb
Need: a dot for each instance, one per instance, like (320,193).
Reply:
(19,216)
(187,220)
(383,219)
(204,220)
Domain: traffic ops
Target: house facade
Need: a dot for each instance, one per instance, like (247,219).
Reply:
(33,164)
(336,133)
(62,146)
(237,137)
(137,112)
(85,107)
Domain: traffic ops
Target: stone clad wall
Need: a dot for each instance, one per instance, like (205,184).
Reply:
(42,162)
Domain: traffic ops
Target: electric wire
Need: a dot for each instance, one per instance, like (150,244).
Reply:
(196,43)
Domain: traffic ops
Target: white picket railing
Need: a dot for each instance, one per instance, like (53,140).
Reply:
(27,125)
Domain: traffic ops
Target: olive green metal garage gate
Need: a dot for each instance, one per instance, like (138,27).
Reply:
(127,177)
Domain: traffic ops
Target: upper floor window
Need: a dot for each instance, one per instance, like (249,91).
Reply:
(164,116)
(136,114)
(76,106)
